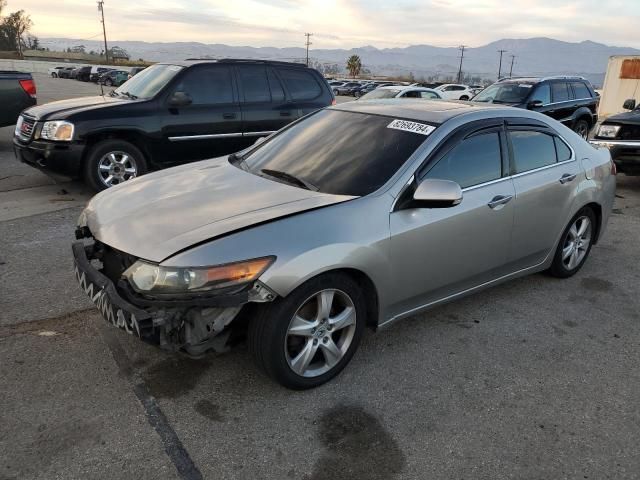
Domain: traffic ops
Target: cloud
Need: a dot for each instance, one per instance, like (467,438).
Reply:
(341,23)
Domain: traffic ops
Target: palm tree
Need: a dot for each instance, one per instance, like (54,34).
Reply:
(354,65)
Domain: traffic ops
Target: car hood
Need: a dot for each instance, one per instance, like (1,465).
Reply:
(632,118)
(64,108)
(155,216)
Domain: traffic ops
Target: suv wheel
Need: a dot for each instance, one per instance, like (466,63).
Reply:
(112,162)
(108,82)
(308,337)
(575,244)
(581,127)
(464,97)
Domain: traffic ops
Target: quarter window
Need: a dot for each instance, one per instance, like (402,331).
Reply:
(562,150)
(560,91)
(301,84)
(532,150)
(207,85)
(255,86)
(474,161)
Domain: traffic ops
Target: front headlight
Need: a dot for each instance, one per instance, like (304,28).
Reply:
(58,130)
(608,131)
(147,277)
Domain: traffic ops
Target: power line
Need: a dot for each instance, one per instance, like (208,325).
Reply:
(461,48)
(500,65)
(104,29)
(513,57)
(307,43)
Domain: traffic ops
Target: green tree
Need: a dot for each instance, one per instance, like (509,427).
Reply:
(12,29)
(354,65)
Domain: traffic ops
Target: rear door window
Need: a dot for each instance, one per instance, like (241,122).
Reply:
(300,84)
(560,91)
(255,86)
(531,150)
(580,90)
(430,95)
(473,161)
(207,85)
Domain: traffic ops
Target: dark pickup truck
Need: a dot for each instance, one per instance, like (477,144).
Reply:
(17,92)
(621,135)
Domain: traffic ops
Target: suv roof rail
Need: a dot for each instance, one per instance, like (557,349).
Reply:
(246,60)
(563,77)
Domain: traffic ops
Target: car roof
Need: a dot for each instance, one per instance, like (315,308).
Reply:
(195,61)
(539,79)
(402,88)
(435,112)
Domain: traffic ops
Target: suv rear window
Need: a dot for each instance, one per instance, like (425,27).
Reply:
(580,90)
(300,83)
(326,150)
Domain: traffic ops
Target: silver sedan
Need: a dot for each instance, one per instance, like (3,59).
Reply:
(355,216)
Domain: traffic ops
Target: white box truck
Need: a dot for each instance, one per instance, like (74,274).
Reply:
(621,83)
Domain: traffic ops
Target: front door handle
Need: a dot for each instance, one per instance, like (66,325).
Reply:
(228,116)
(285,113)
(499,200)
(567,177)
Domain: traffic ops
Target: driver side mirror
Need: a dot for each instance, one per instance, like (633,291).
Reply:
(180,99)
(434,193)
(629,104)
(534,104)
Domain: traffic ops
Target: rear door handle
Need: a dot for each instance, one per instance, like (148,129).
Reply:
(499,200)
(285,113)
(229,116)
(567,177)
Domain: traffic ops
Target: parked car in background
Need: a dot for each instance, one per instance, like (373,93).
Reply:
(569,100)
(113,78)
(65,72)
(345,89)
(621,135)
(17,92)
(96,73)
(53,71)
(363,89)
(402,92)
(135,70)
(451,91)
(83,74)
(310,245)
(175,113)
(336,83)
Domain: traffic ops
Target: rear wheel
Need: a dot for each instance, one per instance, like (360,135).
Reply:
(112,162)
(53,75)
(108,82)
(575,244)
(464,97)
(307,338)
(582,128)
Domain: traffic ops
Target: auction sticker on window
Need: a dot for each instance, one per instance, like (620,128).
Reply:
(413,127)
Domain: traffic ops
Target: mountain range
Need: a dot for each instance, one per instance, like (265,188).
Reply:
(533,56)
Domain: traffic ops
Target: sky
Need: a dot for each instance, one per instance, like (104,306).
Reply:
(338,23)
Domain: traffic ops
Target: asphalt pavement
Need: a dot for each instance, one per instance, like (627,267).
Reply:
(534,379)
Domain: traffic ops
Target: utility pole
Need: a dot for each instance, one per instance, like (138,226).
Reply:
(513,57)
(500,65)
(308,42)
(461,48)
(104,29)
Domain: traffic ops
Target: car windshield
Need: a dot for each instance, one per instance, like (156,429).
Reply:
(380,93)
(149,82)
(337,152)
(504,93)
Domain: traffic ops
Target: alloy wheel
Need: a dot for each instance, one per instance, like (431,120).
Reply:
(116,167)
(582,129)
(576,244)
(320,333)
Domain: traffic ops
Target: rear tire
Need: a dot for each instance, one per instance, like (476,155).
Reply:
(581,127)
(111,162)
(53,75)
(575,244)
(301,344)
(464,97)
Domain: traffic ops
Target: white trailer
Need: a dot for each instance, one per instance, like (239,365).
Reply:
(621,82)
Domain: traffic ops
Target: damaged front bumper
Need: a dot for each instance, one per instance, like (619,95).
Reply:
(190,325)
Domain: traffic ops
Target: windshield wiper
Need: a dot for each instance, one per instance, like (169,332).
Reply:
(130,95)
(113,93)
(287,177)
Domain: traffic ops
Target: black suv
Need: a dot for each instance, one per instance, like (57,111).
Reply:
(621,134)
(169,114)
(570,100)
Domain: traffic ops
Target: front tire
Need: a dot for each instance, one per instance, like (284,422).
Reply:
(111,162)
(108,82)
(582,128)
(307,338)
(575,244)
(464,97)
